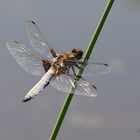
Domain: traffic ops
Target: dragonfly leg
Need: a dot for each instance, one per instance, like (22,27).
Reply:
(77,66)
(73,70)
(78,76)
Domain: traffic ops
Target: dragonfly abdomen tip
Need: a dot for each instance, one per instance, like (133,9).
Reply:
(26,99)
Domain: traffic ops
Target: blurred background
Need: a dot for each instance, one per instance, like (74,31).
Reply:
(114,113)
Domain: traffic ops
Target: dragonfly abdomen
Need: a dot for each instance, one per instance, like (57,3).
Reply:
(40,85)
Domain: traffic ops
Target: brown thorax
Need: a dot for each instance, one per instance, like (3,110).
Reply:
(60,59)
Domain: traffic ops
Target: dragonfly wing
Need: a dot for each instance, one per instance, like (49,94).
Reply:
(86,89)
(37,40)
(93,69)
(29,61)
(65,82)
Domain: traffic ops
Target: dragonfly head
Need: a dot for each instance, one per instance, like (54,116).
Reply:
(78,53)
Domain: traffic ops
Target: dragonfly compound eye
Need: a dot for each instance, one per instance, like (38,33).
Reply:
(73,51)
(79,54)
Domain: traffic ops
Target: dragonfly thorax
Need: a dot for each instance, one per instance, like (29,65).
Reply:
(59,63)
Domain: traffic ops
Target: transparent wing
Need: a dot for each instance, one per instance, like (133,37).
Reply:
(90,68)
(65,82)
(95,69)
(25,58)
(37,40)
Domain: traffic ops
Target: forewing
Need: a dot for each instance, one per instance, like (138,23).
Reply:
(95,69)
(25,58)
(65,82)
(37,40)
(90,68)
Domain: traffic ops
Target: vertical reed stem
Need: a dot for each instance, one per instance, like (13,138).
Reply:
(86,57)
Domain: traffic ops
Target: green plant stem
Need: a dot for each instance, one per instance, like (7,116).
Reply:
(85,58)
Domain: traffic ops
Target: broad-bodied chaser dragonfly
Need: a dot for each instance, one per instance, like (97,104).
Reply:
(57,69)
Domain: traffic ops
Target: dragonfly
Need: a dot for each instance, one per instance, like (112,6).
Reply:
(57,69)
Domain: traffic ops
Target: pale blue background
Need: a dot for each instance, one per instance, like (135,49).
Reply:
(114,114)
